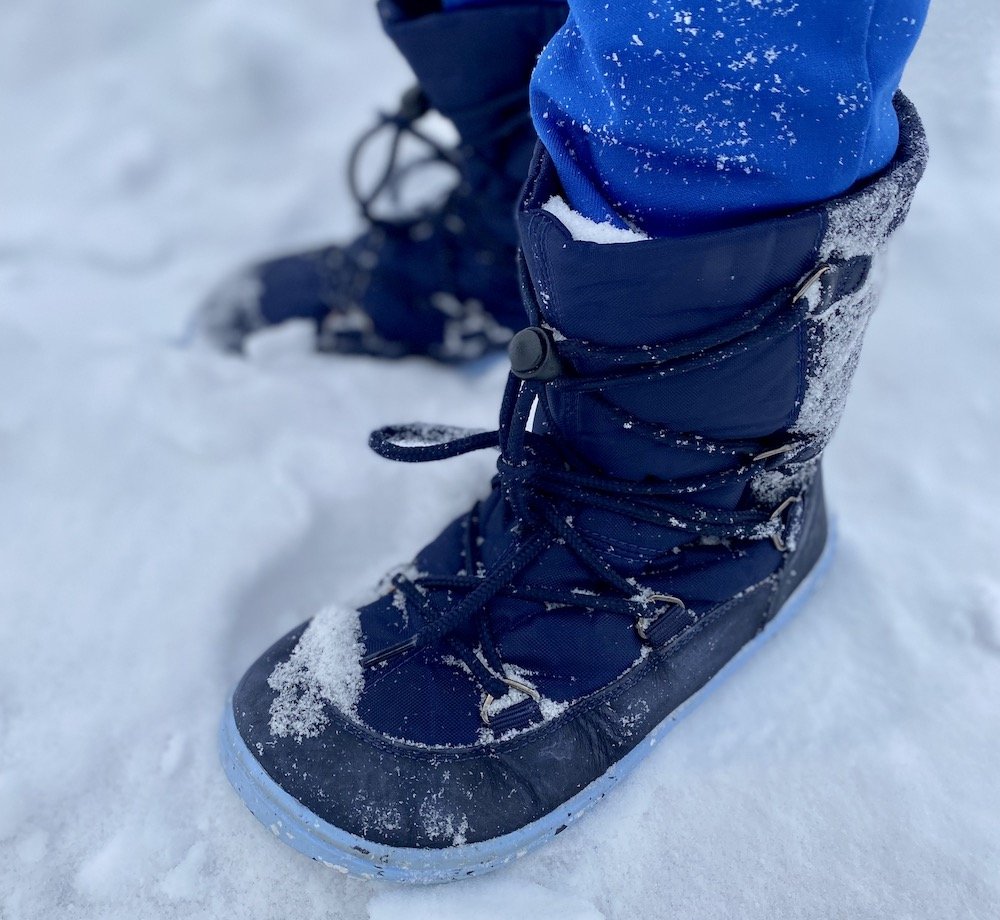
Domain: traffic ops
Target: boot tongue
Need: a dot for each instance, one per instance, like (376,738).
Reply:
(659,292)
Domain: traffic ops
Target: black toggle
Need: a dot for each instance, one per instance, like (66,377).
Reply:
(533,355)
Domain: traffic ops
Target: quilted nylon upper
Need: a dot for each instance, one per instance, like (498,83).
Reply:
(636,405)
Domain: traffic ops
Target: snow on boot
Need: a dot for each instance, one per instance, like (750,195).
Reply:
(442,282)
(661,514)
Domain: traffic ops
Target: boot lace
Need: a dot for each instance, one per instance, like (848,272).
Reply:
(402,123)
(540,487)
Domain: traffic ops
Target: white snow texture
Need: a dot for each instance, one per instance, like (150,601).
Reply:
(324,667)
(167,513)
(587,230)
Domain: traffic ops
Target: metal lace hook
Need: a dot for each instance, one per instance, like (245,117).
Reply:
(776,452)
(643,623)
(778,539)
(489,699)
(809,281)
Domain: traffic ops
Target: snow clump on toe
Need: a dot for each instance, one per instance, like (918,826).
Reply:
(324,668)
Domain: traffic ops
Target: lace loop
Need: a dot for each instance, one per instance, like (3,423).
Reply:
(413,105)
(419,442)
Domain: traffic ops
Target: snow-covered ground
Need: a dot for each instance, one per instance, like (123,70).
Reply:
(164,513)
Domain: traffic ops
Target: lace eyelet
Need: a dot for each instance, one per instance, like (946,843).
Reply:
(809,281)
(644,624)
(778,539)
(489,699)
(771,454)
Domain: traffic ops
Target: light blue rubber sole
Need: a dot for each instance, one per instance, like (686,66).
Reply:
(293,823)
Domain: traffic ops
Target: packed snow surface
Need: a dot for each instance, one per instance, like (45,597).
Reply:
(167,512)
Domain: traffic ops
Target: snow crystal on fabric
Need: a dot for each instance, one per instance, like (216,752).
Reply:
(859,225)
(324,669)
(441,824)
(840,332)
(586,230)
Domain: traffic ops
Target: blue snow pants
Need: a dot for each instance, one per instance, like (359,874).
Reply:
(673,117)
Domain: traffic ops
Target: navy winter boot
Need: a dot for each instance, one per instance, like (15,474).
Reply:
(660,514)
(442,282)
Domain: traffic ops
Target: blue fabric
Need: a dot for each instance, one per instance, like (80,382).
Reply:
(677,118)
(465,4)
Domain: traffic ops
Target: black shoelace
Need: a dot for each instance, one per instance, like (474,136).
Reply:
(401,123)
(539,487)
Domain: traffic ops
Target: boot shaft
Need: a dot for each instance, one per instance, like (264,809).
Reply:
(474,66)
(687,358)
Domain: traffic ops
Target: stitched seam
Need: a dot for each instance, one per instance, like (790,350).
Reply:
(600,697)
